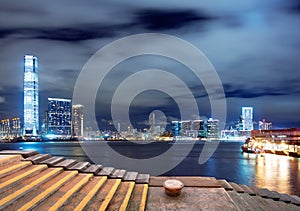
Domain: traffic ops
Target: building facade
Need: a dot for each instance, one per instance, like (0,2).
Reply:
(16,130)
(77,120)
(5,128)
(264,125)
(176,127)
(59,117)
(212,128)
(198,127)
(247,118)
(31,96)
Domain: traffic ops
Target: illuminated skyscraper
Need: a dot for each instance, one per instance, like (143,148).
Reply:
(5,128)
(31,95)
(212,127)
(176,127)
(152,122)
(59,117)
(247,116)
(77,120)
(16,127)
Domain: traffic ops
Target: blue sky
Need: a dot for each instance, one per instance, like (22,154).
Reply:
(253,45)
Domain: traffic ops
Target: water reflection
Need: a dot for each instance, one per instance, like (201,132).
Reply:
(277,173)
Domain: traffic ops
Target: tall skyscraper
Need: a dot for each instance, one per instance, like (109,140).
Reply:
(247,117)
(77,120)
(5,128)
(59,117)
(212,127)
(185,127)
(176,127)
(31,96)
(16,127)
(198,126)
(152,122)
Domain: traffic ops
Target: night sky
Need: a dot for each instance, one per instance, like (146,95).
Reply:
(254,46)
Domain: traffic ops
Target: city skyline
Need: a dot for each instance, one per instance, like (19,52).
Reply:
(253,46)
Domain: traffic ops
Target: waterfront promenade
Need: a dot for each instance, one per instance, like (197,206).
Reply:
(32,181)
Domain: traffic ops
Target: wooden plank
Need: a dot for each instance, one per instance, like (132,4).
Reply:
(239,201)
(36,200)
(258,192)
(53,160)
(285,198)
(106,171)
(70,193)
(66,163)
(236,187)
(80,166)
(9,159)
(142,179)
(93,169)
(36,159)
(23,191)
(14,168)
(110,195)
(295,200)
(269,194)
(248,190)
(130,176)
(23,153)
(276,195)
(118,174)
(225,185)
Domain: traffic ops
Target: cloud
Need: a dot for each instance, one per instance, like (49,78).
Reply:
(250,92)
(158,19)
(67,34)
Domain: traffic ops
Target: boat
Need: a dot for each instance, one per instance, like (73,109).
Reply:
(250,146)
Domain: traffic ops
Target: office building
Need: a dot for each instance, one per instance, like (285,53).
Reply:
(198,127)
(264,125)
(176,127)
(77,120)
(212,128)
(59,117)
(5,128)
(247,117)
(152,123)
(185,127)
(31,96)
(16,127)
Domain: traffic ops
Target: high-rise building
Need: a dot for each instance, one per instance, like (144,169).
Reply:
(16,127)
(152,122)
(212,128)
(31,96)
(247,117)
(176,127)
(5,128)
(59,117)
(264,125)
(185,127)
(77,120)
(198,126)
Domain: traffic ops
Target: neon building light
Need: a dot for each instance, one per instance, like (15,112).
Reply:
(31,96)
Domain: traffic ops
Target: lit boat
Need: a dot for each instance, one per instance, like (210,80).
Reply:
(251,147)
